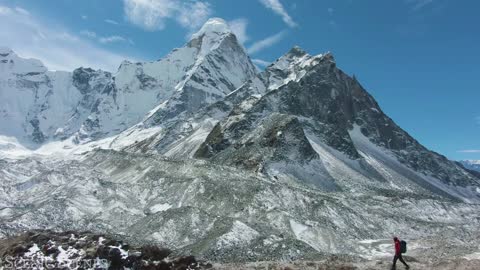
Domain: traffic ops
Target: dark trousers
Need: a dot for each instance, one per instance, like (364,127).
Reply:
(398,257)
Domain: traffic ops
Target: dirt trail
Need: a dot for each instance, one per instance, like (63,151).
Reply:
(453,264)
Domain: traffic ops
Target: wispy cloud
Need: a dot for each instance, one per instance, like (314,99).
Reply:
(151,15)
(332,21)
(88,33)
(111,21)
(5,10)
(278,8)
(469,151)
(55,46)
(22,11)
(239,28)
(84,17)
(113,39)
(261,62)
(107,39)
(416,5)
(193,15)
(266,43)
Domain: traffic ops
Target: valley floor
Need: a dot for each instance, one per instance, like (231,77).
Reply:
(68,250)
(383,264)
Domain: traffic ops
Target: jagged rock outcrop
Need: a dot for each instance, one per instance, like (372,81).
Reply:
(85,250)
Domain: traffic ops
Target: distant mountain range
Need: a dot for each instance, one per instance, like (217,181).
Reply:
(471,164)
(203,153)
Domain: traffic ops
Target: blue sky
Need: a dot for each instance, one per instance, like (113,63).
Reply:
(418,58)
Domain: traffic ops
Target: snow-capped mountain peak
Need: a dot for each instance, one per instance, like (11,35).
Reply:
(209,37)
(297,51)
(220,66)
(5,51)
(11,63)
(292,66)
(471,164)
(214,26)
(88,105)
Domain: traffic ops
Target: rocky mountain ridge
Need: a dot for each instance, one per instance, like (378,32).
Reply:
(40,106)
(471,164)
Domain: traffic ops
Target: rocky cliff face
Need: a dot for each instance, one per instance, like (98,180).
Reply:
(200,152)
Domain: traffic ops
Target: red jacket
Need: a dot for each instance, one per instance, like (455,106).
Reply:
(397,247)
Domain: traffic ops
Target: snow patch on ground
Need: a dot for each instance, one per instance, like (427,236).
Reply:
(160,207)
(314,236)
(11,148)
(239,234)
(123,252)
(473,256)
(31,251)
(375,248)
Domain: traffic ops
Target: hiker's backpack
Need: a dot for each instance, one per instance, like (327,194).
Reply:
(403,246)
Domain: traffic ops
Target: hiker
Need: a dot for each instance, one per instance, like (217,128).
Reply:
(400,247)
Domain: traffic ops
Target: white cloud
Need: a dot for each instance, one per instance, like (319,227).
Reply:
(261,62)
(278,8)
(53,45)
(5,10)
(88,33)
(22,11)
(111,22)
(265,43)
(193,15)
(84,17)
(151,15)
(470,151)
(114,39)
(417,5)
(239,28)
(107,39)
(111,39)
